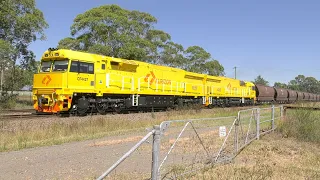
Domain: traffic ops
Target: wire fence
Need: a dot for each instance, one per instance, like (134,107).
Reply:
(178,148)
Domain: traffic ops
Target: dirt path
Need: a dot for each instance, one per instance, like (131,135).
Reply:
(89,159)
(78,160)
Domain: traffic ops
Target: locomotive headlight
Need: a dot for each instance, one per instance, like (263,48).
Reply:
(75,94)
(42,95)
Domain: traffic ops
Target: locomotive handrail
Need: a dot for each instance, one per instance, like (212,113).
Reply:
(173,84)
(122,81)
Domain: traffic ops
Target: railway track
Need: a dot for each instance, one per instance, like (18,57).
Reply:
(22,116)
(13,114)
(6,111)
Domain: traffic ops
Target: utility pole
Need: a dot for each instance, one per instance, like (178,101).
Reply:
(235,72)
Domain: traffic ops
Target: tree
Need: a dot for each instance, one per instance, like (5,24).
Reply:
(280,85)
(172,55)
(260,80)
(297,83)
(307,84)
(213,67)
(312,85)
(196,58)
(29,66)
(113,31)
(21,24)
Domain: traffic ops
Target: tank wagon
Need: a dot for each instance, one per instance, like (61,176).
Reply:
(77,82)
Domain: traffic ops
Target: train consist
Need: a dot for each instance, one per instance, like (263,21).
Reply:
(266,94)
(75,82)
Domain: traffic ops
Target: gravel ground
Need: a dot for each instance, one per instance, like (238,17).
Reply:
(78,160)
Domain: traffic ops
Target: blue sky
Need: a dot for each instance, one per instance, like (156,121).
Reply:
(277,39)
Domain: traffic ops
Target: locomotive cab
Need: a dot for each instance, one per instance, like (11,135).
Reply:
(59,74)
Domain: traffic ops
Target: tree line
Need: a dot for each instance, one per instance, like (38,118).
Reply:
(113,31)
(107,30)
(21,23)
(299,83)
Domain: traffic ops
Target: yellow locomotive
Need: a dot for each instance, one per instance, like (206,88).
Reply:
(77,82)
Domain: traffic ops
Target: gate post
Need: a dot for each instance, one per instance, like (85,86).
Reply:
(258,123)
(236,137)
(155,174)
(272,117)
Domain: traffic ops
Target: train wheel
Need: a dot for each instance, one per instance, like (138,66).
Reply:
(102,108)
(82,107)
(116,110)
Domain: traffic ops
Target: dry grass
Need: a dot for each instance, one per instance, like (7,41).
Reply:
(279,155)
(20,134)
(272,157)
(116,141)
(302,124)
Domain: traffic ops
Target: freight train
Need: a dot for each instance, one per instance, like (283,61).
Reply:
(74,82)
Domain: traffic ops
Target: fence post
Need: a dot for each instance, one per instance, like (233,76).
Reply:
(155,174)
(272,116)
(236,137)
(258,123)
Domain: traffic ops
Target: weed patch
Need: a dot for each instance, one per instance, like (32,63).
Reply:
(301,124)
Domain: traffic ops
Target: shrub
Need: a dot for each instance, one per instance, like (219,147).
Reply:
(302,124)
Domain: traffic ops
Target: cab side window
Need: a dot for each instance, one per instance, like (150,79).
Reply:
(82,67)
(74,66)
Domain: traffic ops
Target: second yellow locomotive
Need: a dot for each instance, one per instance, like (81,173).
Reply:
(78,82)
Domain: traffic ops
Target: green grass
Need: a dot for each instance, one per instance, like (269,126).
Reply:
(19,102)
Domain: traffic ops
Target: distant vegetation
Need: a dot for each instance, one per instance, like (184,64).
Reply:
(260,80)
(302,83)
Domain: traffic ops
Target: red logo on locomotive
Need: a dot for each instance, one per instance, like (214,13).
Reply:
(46,80)
(155,79)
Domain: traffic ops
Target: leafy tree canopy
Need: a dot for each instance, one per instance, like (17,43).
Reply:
(307,84)
(260,80)
(113,31)
(21,24)
(280,85)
